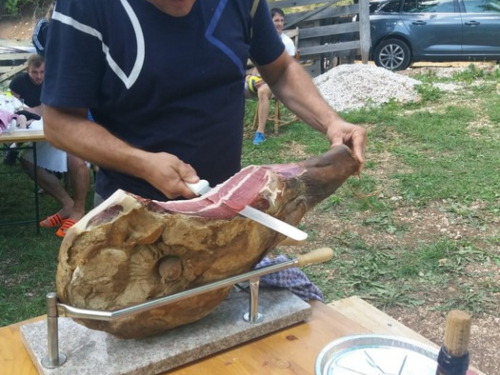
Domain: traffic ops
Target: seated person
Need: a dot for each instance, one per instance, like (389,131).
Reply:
(264,92)
(27,87)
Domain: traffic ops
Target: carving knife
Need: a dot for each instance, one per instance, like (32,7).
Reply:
(202,187)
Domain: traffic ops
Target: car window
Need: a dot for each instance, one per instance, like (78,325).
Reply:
(374,7)
(482,6)
(428,6)
(390,7)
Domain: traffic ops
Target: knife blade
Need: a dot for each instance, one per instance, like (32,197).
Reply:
(202,187)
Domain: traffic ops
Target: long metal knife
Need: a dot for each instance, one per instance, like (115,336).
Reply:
(202,187)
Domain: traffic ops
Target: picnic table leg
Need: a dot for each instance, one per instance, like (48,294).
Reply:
(35,178)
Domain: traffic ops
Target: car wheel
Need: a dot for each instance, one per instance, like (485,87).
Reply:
(328,61)
(392,54)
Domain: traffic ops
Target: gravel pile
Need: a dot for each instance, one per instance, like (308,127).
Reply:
(353,86)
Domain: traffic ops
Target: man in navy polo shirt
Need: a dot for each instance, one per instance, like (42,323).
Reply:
(164,80)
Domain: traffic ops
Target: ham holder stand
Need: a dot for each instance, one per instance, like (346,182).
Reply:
(164,352)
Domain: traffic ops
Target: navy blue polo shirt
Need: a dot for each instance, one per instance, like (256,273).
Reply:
(160,83)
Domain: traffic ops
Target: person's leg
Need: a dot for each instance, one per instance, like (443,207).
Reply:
(52,186)
(264,94)
(79,178)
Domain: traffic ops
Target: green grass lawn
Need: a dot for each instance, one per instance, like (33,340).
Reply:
(438,154)
(27,261)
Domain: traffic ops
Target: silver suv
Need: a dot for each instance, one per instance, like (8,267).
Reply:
(407,31)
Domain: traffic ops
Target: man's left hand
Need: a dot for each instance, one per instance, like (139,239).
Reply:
(354,136)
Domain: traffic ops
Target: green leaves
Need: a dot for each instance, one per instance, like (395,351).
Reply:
(15,6)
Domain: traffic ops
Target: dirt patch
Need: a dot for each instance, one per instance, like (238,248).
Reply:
(18,29)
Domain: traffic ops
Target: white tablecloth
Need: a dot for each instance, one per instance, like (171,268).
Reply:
(48,157)
(9,103)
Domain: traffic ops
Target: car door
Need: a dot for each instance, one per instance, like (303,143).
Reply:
(481,27)
(435,27)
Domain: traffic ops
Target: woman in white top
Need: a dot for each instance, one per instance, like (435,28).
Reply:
(264,92)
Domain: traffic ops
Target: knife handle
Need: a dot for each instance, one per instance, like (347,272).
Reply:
(316,256)
(199,188)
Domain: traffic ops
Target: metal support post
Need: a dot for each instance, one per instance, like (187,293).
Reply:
(254,316)
(53,359)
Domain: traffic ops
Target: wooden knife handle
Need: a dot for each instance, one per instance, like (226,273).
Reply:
(457,333)
(316,256)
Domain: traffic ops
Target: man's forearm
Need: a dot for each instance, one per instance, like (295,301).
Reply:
(297,91)
(37,110)
(71,131)
(292,85)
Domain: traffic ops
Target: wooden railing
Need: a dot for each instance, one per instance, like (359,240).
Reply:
(11,64)
(328,28)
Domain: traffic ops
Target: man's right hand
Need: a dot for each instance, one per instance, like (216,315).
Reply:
(169,174)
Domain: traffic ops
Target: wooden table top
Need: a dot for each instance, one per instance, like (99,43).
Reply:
(291,351)
(28,135)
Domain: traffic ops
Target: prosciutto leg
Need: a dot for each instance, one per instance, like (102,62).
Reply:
(130,250)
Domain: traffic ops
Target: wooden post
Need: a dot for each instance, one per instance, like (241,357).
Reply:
(364,30)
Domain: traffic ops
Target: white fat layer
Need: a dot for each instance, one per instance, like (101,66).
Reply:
(118,197)
(271,189)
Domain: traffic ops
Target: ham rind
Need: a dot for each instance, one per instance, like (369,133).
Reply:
(130,250)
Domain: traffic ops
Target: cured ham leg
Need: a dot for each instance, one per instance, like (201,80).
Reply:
(130,250)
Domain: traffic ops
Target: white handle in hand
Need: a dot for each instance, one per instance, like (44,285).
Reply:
(199,188)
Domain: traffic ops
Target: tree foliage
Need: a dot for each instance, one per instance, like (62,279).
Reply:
(15,7)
